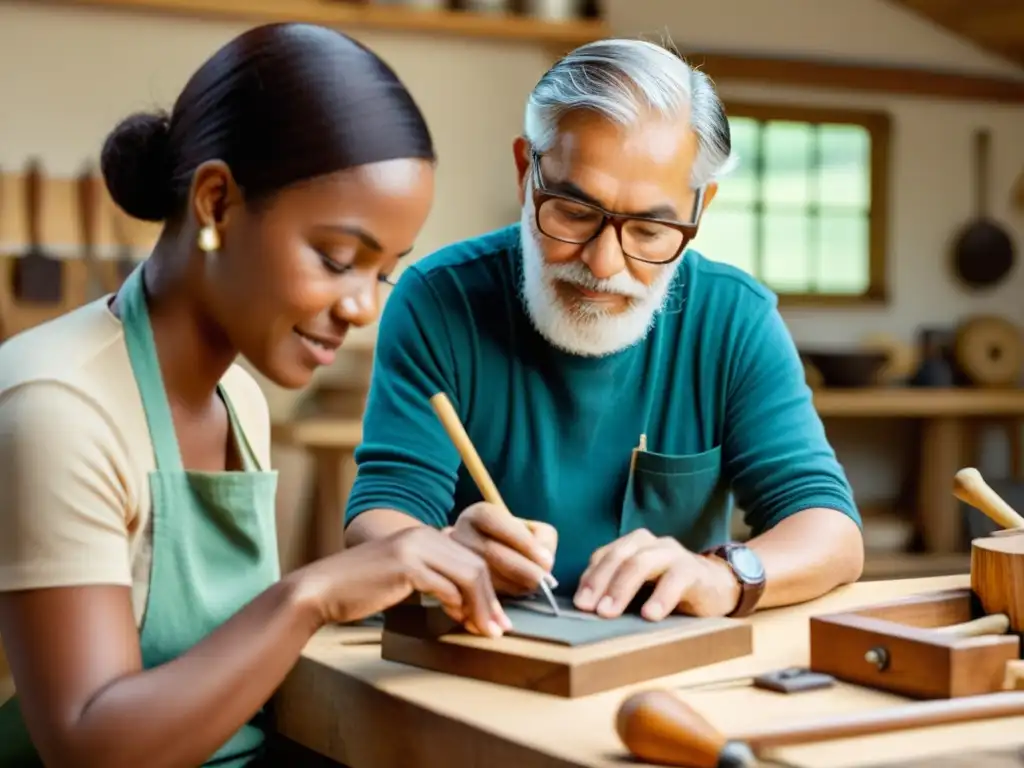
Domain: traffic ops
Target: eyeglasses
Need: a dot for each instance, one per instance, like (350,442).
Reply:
(568,220)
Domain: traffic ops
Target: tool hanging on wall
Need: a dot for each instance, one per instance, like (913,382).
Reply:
(983,255)
(37,276)
(99,274)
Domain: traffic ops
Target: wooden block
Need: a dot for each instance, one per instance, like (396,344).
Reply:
(1014,678)
(898,647)
(997,575)
(423,637)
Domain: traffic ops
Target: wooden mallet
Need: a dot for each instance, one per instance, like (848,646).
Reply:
(970,487)
(659,727)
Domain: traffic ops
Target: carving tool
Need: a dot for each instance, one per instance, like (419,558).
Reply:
(659,727)
(457,432)
(531,604)
(787,680)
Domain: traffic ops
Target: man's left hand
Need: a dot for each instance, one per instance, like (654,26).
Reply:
(684,582)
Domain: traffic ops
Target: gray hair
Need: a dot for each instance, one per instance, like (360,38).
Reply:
(622,79)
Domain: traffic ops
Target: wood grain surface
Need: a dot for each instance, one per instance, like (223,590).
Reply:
(1002,758)
(344,701)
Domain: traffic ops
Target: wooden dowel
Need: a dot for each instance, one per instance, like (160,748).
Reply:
(993,624)
(659,727)
(964,709)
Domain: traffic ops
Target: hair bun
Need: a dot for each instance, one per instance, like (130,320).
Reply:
(136,164)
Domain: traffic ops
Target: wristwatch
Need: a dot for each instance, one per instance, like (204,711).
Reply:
(746,567)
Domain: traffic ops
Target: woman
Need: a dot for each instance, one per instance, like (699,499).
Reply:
(141,608)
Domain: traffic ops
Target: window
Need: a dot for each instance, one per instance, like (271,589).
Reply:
(804,212)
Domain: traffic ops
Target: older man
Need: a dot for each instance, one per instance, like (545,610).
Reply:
(620,387)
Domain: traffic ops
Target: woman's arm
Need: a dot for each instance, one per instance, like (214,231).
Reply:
(74,652)
(66,615)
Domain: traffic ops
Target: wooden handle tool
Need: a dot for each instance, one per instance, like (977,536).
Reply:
(34,203)
(38,277)
(475,466)
(970,487)
(659,727)
(88,208)
(993,624)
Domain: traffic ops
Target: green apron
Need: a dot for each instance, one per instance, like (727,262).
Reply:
(214,543)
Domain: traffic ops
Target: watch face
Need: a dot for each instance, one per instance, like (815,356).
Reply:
(747,564)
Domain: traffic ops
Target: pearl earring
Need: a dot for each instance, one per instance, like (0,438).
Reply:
(209,240)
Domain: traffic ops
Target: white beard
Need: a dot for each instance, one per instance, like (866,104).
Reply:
(586,328)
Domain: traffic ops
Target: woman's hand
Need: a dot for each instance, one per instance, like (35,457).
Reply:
(376,575)
(518,555)
(75,654)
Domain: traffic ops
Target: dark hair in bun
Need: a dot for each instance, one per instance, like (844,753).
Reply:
(136,163)
(279,104)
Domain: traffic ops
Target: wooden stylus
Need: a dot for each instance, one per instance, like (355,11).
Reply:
(475,465)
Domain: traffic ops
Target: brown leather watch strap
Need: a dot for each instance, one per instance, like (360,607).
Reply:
(747,569)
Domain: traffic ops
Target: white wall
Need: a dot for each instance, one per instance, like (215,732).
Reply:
(97,66)
(69,74)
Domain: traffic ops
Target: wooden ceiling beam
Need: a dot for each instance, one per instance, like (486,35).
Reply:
(901,81)
(995,25)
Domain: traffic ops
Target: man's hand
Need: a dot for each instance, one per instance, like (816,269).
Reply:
(685,582)
(518,555)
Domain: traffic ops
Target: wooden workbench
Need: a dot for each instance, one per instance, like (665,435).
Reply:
(344,702)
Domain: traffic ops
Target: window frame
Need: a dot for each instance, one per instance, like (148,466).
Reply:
(879,127)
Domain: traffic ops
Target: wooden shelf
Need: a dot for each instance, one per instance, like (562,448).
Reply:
(902,565)
(327,431)
(343,14)
(918,402)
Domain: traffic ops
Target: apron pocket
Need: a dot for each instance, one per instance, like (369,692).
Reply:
(668,495)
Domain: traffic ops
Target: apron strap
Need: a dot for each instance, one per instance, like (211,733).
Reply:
(138,333)
(249,457)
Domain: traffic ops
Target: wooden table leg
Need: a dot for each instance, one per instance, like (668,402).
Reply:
(938,511)
(335,473)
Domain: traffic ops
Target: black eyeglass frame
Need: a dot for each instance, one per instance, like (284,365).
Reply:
(616,220)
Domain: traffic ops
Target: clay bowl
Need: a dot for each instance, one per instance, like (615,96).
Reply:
(851,369)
